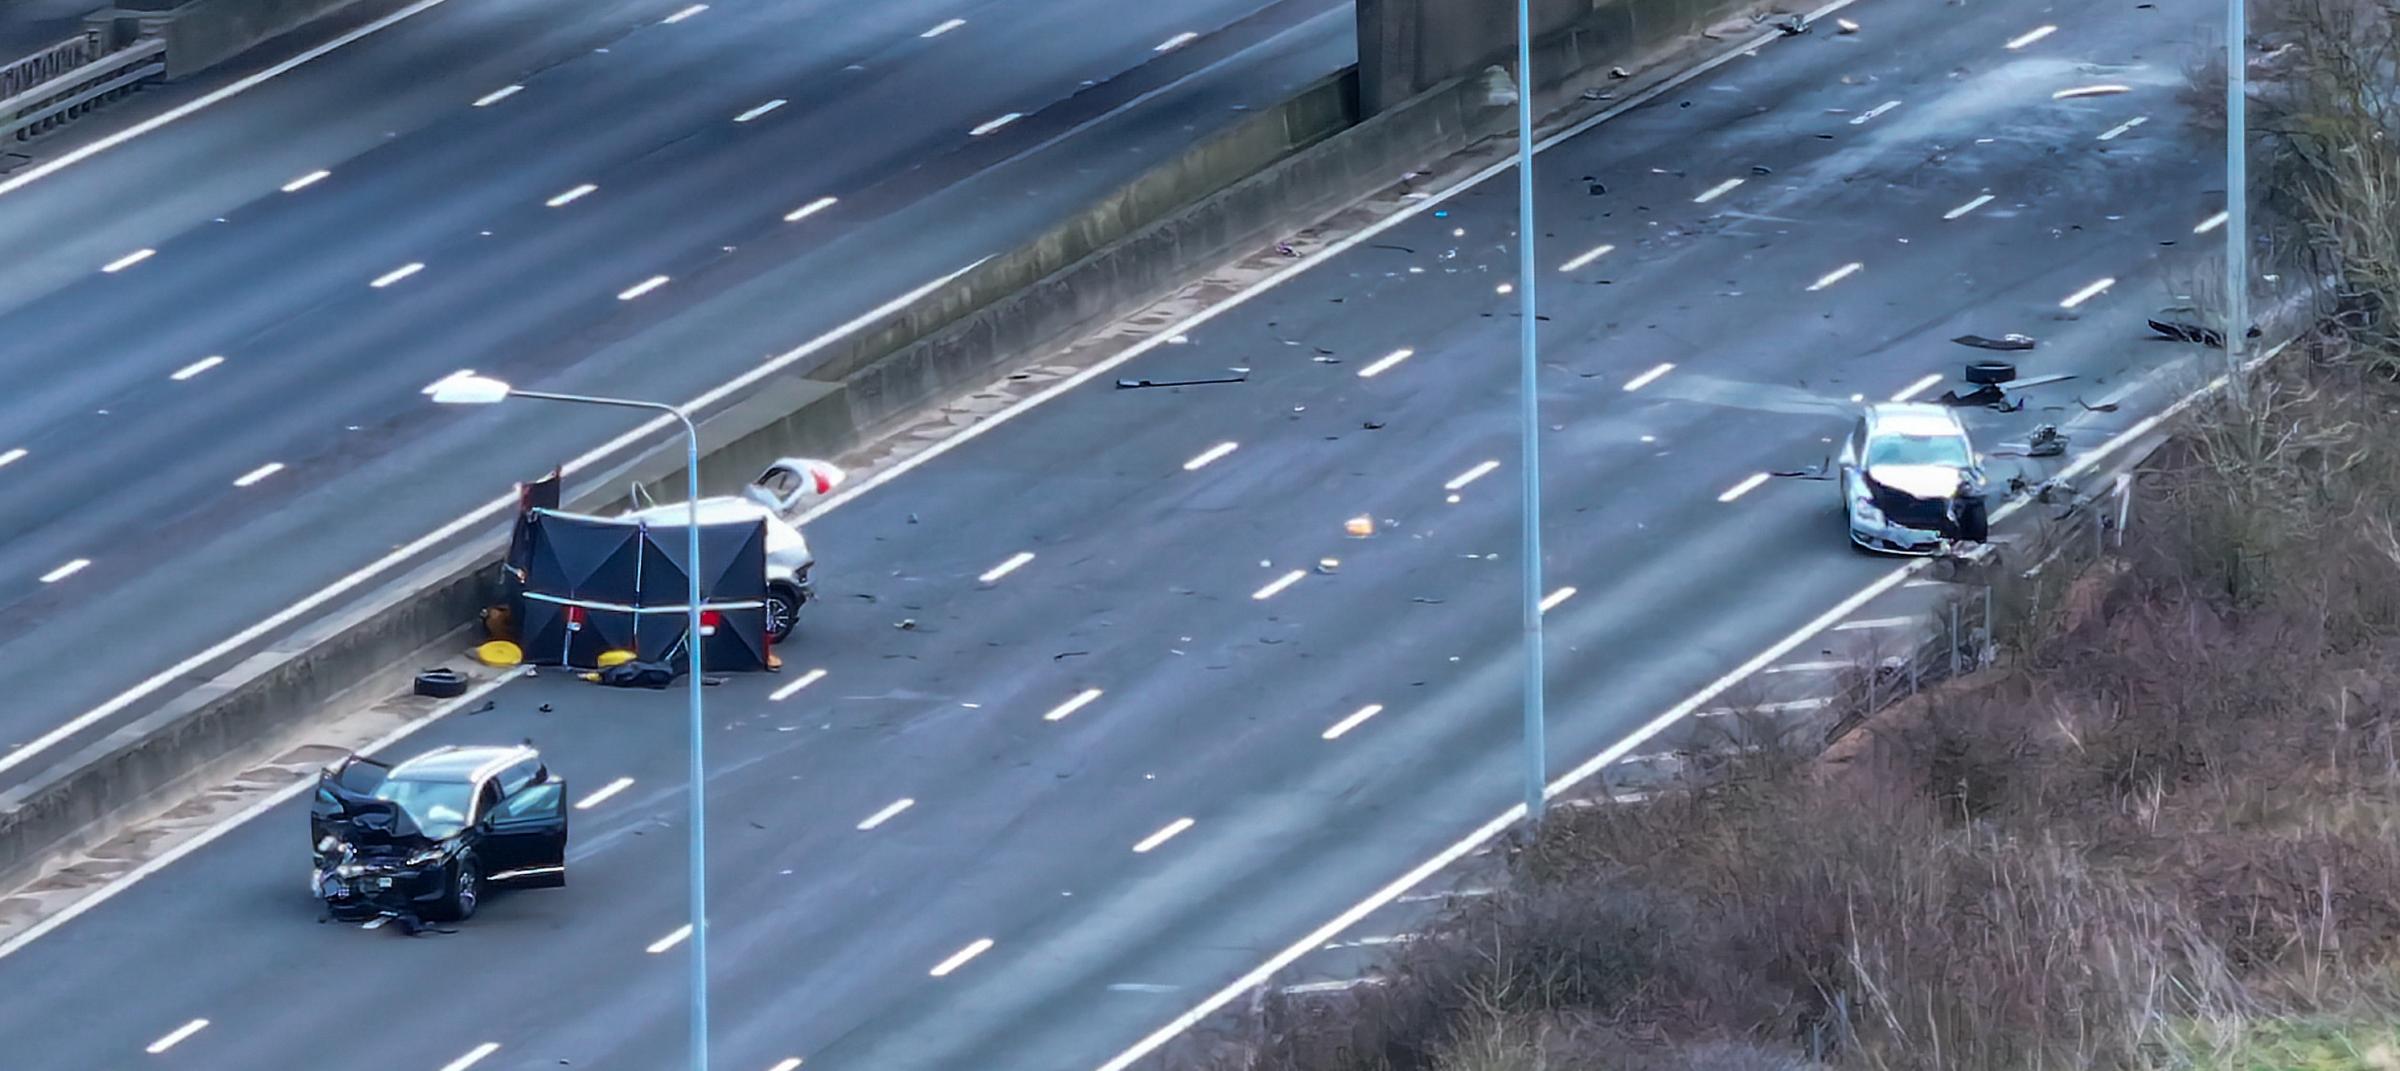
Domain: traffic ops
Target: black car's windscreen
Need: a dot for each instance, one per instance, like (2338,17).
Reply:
(1946,450)
(438,807)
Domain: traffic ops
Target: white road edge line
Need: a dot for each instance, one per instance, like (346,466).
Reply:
(66,160)
(602,796)
(806,679)
(275,799)
(176,1036)
(959,958)
(889,811)
(474,1056)
(1355,719)
(1165,833)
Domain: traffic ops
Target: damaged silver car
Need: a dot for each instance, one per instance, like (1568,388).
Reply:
(1911,480)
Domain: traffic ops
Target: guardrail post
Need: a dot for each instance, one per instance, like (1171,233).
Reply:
(2124,505)
(1955,637)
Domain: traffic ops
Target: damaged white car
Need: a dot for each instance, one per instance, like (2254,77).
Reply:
(782,489)
(1911,480)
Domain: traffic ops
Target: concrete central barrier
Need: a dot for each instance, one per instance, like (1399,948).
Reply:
(1277,169)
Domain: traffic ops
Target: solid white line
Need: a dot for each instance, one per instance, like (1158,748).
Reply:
(306,181)
(1015,562)
(1551,601)
(1483,834)
(14,454)
(944,28)
(176,1036)
(1874,623)
(209,836)
(1175,42)
(65,571)
(1790,707)
(1470,476)
(2112,133)
(810,209)
(641,288)
(1165,834)
(1275,587)
(2087,293)
(2030,37)
(1352,722)
(886,814)
(196,367)
(959,958)
(785,692)
(1649,377)
(498,507)
(1930,381)
(257,474)
(1809,667)
(474,1056)
(1836,275)
(128,260)
(1861,118)
(1384,363)
(1081,700)
(1716,191)
(678,936)
(602,796)
(1587,256)
(2212,223)
(86,152)
(760,110)
(571,196)
(2090,91)
(683,14)
(397,274)
(1748,483)
(1209,455)
(988,126)
(497,95)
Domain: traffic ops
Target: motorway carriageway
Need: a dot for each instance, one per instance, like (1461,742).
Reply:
(216,423)
(1137,742)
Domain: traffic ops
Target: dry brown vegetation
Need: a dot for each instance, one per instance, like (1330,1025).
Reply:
(2163,832)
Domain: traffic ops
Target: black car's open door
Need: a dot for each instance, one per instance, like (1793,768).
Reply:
(339,788)
(525,839)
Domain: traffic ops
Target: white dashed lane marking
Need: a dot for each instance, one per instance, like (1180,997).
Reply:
(497,95)
(1748,484)
(1165,834)
(175,1037)
(65,571)
(128,260)
(306,181)
(1356,718)
(959,958)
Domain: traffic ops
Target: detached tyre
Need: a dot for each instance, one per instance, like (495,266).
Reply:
(1983,372)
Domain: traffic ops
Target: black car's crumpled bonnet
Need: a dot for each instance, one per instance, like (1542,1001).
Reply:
(367,822)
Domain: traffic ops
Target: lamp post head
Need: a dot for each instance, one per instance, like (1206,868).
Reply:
(469,390)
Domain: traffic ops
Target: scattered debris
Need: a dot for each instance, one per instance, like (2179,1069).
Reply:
(2104,407)
(1794,25)
(1618,72)
(1068,654)
(1823,471)
(2045,441)
(1372,425)
(1394,248)
(2185,332)
(1328,565)
(1136,384)
(1846,26)
(906,624)
(2004,342)
(1286,249)
(1761,169)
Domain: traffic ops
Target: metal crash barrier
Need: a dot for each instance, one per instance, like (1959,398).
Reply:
(47,88)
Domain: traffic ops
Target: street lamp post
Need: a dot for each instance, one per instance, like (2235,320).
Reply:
(2237,196)
(483,390)
(1529,416)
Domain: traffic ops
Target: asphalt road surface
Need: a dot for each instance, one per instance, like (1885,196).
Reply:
(217,346)
(1120,758)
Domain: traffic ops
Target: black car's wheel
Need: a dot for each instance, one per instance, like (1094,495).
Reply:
(466,890)
(783,610)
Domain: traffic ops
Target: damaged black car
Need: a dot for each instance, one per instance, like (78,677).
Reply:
(1912,482)
(425,839)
